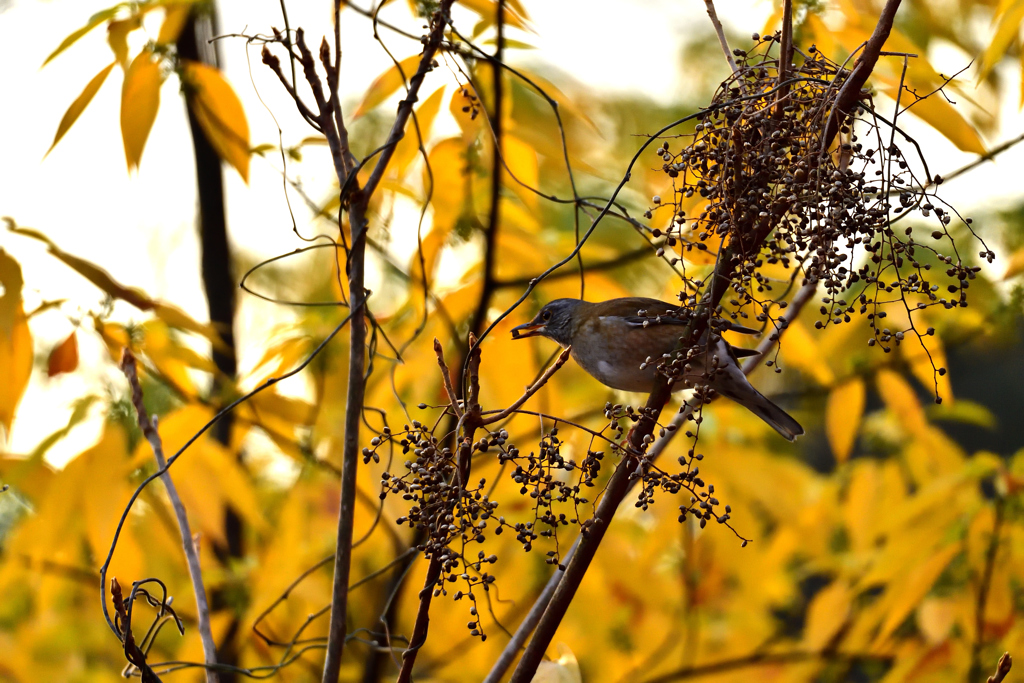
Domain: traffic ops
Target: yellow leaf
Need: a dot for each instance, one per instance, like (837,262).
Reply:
(79,105)
(802,351)
(487,9)
(105,492)
(174,21)
(117,37)
(772,23)
(219,112)
(293,410)
(100,278)
(842,416)
(943,117)
(450,178)
(417,131)
(522,164)
(467,111)
(1015,264)
(935,617)
(64,357)
(905,595)
(94,21)
(175,317)
(1006,33)
(15,341)
(387,83)
(140,99)
(899,397)
(826,614)
(288,352)
(565,669)
(565,104)
(90,271)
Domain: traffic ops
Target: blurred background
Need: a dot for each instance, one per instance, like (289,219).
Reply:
(887,542)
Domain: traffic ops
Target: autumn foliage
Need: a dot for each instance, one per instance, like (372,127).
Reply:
(378,470)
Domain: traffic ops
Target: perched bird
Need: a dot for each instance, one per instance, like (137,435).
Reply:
(621,341)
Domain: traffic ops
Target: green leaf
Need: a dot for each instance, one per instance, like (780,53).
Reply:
(79,105)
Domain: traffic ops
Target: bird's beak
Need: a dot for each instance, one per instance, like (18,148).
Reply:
(530,329)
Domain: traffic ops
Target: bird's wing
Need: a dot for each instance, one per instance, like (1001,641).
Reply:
(741,330)
(641,312)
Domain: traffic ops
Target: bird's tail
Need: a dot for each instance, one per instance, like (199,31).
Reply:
(757,403)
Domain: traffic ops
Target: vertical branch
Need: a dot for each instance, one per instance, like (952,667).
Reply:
(615,492)
(786,45)
(149,430)
(491,236)
(983,589)
(357,200)
(469,422)
(337,628)
(218,285)
(849,94)
(421,625)
(785,56)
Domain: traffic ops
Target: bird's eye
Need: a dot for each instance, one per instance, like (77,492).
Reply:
(545,316)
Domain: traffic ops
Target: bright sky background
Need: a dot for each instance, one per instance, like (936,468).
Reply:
(140,227)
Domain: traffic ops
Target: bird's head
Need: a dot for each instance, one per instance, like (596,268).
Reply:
(555,321)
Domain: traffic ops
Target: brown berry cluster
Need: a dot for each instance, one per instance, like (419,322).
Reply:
(702,504)
(760,184)
(550,479)
(450,515)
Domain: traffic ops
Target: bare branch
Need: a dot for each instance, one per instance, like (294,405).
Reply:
(849,94)
(430,48)
(1002,668)
(453,398)
(468,423)
(541,381)
(710,4)
(149,430)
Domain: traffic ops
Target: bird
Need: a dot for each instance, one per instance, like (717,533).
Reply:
(621,341)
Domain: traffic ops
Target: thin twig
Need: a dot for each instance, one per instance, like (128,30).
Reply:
(133,653)
(713,15)
(533,389)
(1002,668)
(149,430)
(849,94)
(988,156)
(468,424)
(446,374)
(497,162)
